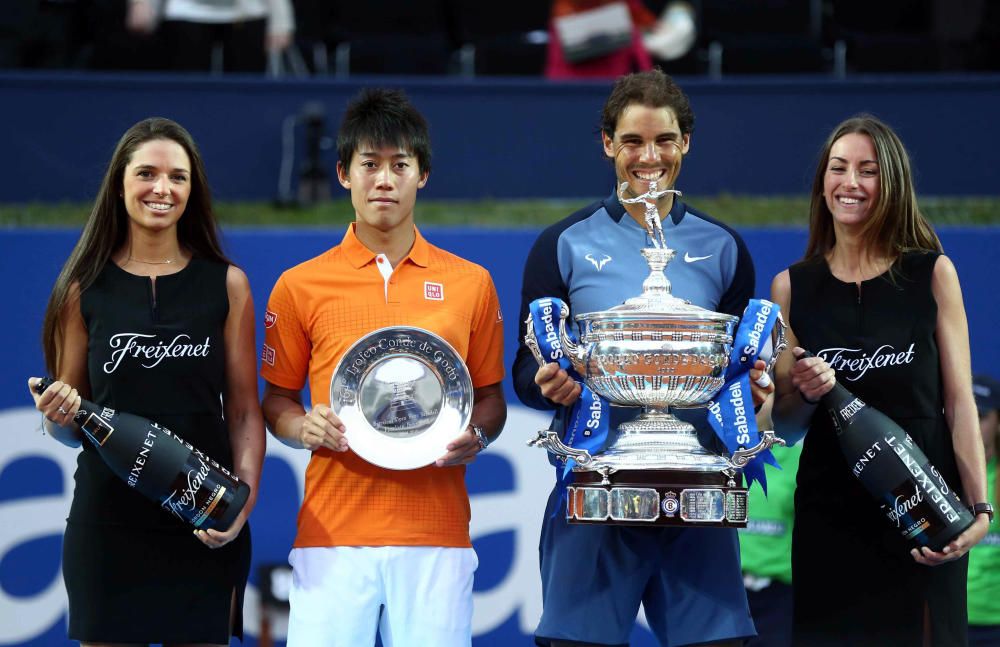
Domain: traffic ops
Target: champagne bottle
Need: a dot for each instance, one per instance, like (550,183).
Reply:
(162,466)
(910,491)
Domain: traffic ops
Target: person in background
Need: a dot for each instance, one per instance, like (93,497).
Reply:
(148,273)
(246,31)
(576,52)
(124,35)
(880,306)
(984,561)
(674,33)
(766,551)
(380,550)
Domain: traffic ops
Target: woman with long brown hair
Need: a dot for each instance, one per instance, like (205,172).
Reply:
(881,307)
(148,316)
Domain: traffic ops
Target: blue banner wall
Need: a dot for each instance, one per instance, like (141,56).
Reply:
(508,484)
(501,138)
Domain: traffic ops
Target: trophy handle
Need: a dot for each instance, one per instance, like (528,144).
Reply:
(572,349)
(549,440)
(741,457)
(531,341)
(779,342)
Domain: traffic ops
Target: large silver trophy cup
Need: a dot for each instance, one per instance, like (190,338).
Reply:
(657,352)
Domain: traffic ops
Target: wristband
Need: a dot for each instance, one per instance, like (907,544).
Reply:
(982,508)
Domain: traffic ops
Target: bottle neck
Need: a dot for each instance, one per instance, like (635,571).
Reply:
(838,397)
(843,406)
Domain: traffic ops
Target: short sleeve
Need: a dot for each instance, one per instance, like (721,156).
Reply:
(485,357)
(287,346)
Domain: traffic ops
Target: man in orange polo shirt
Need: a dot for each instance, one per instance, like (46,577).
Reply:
(380,549)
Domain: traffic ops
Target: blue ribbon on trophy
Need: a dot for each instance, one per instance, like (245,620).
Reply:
(731,412)
(587,422)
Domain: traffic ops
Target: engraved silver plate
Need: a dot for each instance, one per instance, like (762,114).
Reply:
(703,505)
(736,506)
(403,394)
(635,504)
(587,504)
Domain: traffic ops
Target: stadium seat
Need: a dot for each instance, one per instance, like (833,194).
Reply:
(764,37)
(501,38)
(391,37)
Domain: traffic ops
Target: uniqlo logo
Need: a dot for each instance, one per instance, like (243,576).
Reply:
(433,291)
(267,354)
(270,318)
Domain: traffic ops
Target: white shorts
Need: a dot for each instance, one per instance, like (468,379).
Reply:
(414,595)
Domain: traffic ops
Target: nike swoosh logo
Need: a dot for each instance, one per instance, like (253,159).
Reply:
(691,259)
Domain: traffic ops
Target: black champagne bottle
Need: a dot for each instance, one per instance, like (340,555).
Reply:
(910,491)
(162,466)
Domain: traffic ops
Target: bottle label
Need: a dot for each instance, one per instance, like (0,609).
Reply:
(98,429)
(196,451)
(907,510)
(852,407)
(922,505)
(867,457)
(196,492)
(928,480)
(843,416)
(142,455)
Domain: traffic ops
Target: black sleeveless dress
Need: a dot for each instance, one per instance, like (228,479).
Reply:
(133,572)
(854,580)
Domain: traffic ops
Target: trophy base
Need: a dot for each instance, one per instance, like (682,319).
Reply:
(657,498)
(664,451)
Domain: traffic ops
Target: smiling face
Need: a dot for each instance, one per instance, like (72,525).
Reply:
(383,182)
(851,182)
(647,146)
(156,184)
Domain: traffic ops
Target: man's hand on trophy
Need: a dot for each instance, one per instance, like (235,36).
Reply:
(462,450)
(761,385)
(556,384)
(322,428)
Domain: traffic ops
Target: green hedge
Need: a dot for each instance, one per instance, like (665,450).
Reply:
(739,211)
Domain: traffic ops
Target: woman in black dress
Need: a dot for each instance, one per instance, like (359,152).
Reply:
(149,317)
(881,308)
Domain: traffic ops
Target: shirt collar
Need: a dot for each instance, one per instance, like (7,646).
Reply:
(616,209)
(358,255)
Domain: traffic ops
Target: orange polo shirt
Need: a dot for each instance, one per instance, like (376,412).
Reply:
(317,311)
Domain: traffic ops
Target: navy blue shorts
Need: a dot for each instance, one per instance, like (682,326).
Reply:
(594,577)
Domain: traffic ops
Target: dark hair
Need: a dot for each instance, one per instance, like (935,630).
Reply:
(107,227)
(379,117)
(896,224)
(653,89)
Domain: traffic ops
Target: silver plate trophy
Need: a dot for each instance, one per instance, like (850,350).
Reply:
(403,394)
(657,352)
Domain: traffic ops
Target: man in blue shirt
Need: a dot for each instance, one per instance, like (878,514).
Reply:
(595,576)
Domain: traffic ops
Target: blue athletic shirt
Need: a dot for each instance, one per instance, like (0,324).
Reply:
(592,261)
